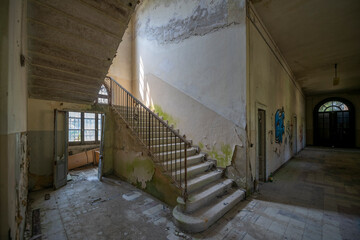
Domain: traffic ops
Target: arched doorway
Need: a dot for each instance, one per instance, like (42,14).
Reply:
(334,123)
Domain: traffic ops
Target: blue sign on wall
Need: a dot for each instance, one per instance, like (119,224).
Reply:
(279,125)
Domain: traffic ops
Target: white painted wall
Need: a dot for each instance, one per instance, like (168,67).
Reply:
(271,87)
(189,59)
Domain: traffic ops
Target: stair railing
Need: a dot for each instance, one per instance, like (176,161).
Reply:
(164,144)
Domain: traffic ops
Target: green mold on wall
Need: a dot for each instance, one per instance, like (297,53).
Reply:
(166,116)
(224,157)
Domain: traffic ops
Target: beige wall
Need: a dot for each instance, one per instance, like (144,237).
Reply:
(13,107)
(271,87)
(41,138)
(121,67)
(312,101)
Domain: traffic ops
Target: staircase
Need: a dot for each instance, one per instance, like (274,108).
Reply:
(206,194)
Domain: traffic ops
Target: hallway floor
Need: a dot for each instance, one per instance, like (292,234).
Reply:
(316,195)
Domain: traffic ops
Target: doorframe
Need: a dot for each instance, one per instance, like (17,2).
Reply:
(57,184)
(351,116)
(263,107)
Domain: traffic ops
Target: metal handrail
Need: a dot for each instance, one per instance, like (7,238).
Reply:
(120,97)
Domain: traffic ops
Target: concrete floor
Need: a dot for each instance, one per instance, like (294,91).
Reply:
(316,195)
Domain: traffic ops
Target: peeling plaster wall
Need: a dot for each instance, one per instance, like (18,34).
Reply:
(41,138)
(132,163)
(312,101)
(13,107)
(271,87)
(121,67)
(210,131)
(190,59)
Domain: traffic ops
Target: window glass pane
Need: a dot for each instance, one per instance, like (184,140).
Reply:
(344,107)
(336,103)
(329,109)
(99,127)
(322,108)
(74,126)
(103,100)
(103,90)
(336,109)
(89,135)
(75,114)
(89,115)
(74,135)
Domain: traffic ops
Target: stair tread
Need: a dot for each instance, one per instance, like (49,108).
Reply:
(196,166)
(188,149)
(209,190)
(204,176)
(177,160)
(202,218)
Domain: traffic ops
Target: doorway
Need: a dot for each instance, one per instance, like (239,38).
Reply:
(261,145)
(334,123)
(78,144)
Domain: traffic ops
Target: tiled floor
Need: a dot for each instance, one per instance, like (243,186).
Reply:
(315,196)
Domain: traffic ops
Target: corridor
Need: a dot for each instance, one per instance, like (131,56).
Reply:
(316,195)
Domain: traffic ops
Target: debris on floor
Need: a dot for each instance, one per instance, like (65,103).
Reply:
(47,196)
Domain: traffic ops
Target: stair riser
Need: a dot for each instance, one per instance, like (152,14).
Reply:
(190,207)
(175,155)
(191,173)
(167,148)
(200,184)
(189,162)
(146,135)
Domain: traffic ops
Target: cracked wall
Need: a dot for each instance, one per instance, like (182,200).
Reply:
(189,61)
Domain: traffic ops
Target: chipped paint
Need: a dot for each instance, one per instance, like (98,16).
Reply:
(188,20)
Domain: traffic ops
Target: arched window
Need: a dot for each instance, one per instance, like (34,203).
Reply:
(333,106)
(334,123)
(103,95)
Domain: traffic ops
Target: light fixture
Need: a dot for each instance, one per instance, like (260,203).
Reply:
(336,80)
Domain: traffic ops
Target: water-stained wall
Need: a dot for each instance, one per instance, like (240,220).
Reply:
(272,87)
(13,107)
(189,64)
(132,163)
(40,120)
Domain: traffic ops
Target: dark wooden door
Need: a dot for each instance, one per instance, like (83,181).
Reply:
(333,129)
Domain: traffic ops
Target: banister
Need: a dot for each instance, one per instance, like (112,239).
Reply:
(143,122)
(151,112)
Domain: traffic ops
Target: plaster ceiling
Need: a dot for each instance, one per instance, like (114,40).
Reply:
(313,35)
(71,45)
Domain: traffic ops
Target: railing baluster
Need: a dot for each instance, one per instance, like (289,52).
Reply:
(152,131)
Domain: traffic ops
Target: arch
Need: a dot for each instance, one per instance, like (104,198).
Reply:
(334,123)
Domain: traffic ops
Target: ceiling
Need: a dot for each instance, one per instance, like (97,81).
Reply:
(313,35)
(71,44)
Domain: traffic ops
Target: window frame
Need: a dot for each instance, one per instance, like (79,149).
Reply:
(98,116)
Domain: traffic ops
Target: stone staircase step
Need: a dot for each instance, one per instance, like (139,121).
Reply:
(167,147)
(198,158)
(166,140)
(200,181)
(202,218)
(156,134)
(194,170)
(204,197)
(166,156)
